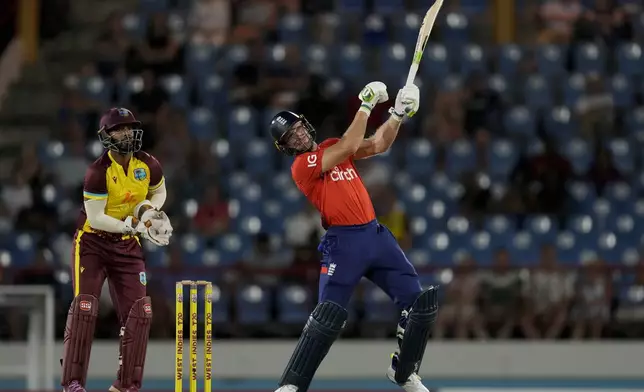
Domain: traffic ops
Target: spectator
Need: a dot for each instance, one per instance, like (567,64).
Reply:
(630,310)
(591,308)
(150,99)
(459,311)
(547,295)
(212,218)
(17,195)
(595,109)
(445,122)
(253,19)
(112,46)
(158,52)
(605,23)
(558,18)
(501,296)
(483,106)
(603,171)
(391,213)
(303,229)
(210,21)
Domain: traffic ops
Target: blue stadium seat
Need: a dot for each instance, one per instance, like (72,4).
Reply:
(537,94)
(135,25)
(481,248)
(509,58)
(155,256)
(415,199)
(610,247)
(551,61)
(523,249)
(394,60)
(520,121)
(472,59)
(460,158)
(440,248)
(635,122)
(455,30)
(242,125)
(235,55)
(202,124)
(574,88)
(622,91)
(220,305)
(500,228)
(272,214)
(459,229)
(623,226)
(212,92)
(621,196)
(503,156)
(98,89)
(374,33)
(559,124)
(567,248)
(406,29)
(589,58)
(318,59)
(177,89)
(420,157)
(152,6)
(629,59)
(351,6)
(580,155)
(350,61)
(622,155)
(379,308)
(201,60)
(291,29)
(499,84)
(388,7)
(630,301)
(253,305)
(249,196)
(231,249)
(582,226)
(294,304)
(543,228)
(258,160)
(22,249)
(192,248)
(435,62)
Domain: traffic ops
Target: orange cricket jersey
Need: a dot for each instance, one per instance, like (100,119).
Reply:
(338,194)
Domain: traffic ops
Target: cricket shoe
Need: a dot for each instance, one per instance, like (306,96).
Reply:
(287,388)
(118,389)
(413,383)
(74,386)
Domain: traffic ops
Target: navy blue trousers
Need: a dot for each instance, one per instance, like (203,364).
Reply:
(371,251)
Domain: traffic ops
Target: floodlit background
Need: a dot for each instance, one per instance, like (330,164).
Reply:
(516,187)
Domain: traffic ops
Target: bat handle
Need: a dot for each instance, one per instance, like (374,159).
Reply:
(412,74)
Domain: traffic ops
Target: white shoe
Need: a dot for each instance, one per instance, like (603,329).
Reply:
(413,383)
(287,388)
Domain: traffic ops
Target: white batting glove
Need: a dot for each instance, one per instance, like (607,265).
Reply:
(371,95)
(155,227)
(407,102)
(130,226)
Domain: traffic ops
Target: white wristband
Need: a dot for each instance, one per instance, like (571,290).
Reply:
(364,108)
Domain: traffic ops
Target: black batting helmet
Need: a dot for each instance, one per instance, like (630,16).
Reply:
(282,129)
(114,120)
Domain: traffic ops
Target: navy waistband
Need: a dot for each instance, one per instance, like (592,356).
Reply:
(373,223)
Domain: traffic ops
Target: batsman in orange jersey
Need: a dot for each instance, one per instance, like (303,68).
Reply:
(123,191)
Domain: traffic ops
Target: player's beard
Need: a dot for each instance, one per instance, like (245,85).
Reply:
(300,142)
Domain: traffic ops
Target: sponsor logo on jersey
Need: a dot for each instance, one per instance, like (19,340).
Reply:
(343,175)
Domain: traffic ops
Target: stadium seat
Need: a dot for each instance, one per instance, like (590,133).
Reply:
(502,158)
(242,126)
(406,29)
(22,249)
(622,91)
(435,62)
(388,7)
(481,248)
(629,59)
(350,61)
(542,228)
(523,249)
(459,229)
(291,29)
(520,121)
(201,60)
(253,305)
(394,60)
(177,89)
(460,158)
(258,160)
(351,6)
(192,247)
(509,58)
(379,308)
(202,124)
(455,30)
(537,94)
(559,124)
(98,89)
(635,122)
(294,304)
(580,155)
(419,157)
(568,249)
(622,155)
(589,58)
(574,88)
(212,92)
(220,305)
(152,6)
(230,249)
(551,61)
(472,60)
(583,196)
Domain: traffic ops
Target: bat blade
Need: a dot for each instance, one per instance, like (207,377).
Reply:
(423,36)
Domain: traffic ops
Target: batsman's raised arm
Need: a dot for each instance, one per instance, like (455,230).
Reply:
(372,94)
(407,103)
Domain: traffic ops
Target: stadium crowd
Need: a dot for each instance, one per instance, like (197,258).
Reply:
(516,188)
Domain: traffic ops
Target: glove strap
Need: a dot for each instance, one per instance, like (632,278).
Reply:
(137,209)
(397,116)
(365,108)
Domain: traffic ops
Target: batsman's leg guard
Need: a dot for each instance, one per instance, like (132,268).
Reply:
(321,330)
(419,324)
(79,334)
(134,344)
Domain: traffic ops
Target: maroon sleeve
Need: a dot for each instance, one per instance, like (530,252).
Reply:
(156,172)
(95,184)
